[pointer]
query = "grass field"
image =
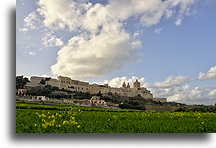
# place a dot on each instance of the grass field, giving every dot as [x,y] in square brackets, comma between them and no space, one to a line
[52,118]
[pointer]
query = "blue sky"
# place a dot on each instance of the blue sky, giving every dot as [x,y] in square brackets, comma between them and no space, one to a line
[169,46]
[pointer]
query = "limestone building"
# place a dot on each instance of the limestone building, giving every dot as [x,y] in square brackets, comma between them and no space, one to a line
[75,85]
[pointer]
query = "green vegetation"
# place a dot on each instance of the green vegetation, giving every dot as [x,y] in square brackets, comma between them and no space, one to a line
[125,102]
[21,82]
[197,108]
[80,119]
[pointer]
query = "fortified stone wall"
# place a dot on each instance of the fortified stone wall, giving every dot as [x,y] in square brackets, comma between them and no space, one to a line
[53,82]
[75,85]
[34,81]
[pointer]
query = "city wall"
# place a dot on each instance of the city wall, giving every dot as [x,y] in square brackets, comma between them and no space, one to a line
[75,85]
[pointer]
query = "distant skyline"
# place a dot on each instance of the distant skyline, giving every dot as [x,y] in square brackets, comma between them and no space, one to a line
[169,46]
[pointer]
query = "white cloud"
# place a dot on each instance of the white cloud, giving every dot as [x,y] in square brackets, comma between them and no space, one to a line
[197,95]
[85,57]
[211,74]
[31,22]
[178,92]
[31,53]
[172,81]
[104,45]
[50,40]
[150,12]
[101,44]
[184,9]
[118,81]
[178,21]
[157,30]
[176,89]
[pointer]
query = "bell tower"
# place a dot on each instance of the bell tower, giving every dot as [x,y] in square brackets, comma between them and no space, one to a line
[124,85]
[128,85]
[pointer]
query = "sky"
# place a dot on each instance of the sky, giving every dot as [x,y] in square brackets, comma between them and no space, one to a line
[168,45]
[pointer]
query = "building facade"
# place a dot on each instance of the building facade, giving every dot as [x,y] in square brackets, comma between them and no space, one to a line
[80,86]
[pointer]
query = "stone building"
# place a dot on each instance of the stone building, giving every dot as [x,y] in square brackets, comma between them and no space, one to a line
[96,101]
[80,86]
[40,98]
[21,92]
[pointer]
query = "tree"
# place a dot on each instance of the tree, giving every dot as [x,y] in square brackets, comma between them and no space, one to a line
[47,79]
[39,91]
[21,82]
[42,81]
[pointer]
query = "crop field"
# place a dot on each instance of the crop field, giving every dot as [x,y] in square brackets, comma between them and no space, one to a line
[52,118]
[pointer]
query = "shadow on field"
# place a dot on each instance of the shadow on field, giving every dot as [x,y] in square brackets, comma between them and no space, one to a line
[77,137]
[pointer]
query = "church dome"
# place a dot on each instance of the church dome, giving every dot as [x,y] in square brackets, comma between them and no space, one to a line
[136,84]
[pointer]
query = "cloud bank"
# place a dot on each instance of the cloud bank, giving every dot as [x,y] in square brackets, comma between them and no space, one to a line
[211,74]
[173,88]
[101,43]
[118,81]
[172,81]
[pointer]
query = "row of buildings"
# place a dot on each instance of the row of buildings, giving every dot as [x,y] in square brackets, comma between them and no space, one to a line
[80,86]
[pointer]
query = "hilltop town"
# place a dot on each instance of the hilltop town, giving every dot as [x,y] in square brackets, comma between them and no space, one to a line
[79,86]
[64,90]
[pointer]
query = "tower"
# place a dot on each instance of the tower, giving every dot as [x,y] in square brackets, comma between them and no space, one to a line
[124,85]
[128,85]
[136,84]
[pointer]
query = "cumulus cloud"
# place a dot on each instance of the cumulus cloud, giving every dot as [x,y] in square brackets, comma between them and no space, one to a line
[211,74]
[94,56]
[176,89]
[172,81]
[50,40]
[197,95]
[179,92]
[101,43]
[118,81]
[186,94]
[60,14]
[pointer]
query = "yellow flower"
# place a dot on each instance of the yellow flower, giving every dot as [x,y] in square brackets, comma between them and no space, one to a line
[73,122]
[78,126]
[36,125]
[43,116]
[44,125]
[65,122]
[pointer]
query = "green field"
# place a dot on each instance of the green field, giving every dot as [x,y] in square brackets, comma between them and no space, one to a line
[52,118]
